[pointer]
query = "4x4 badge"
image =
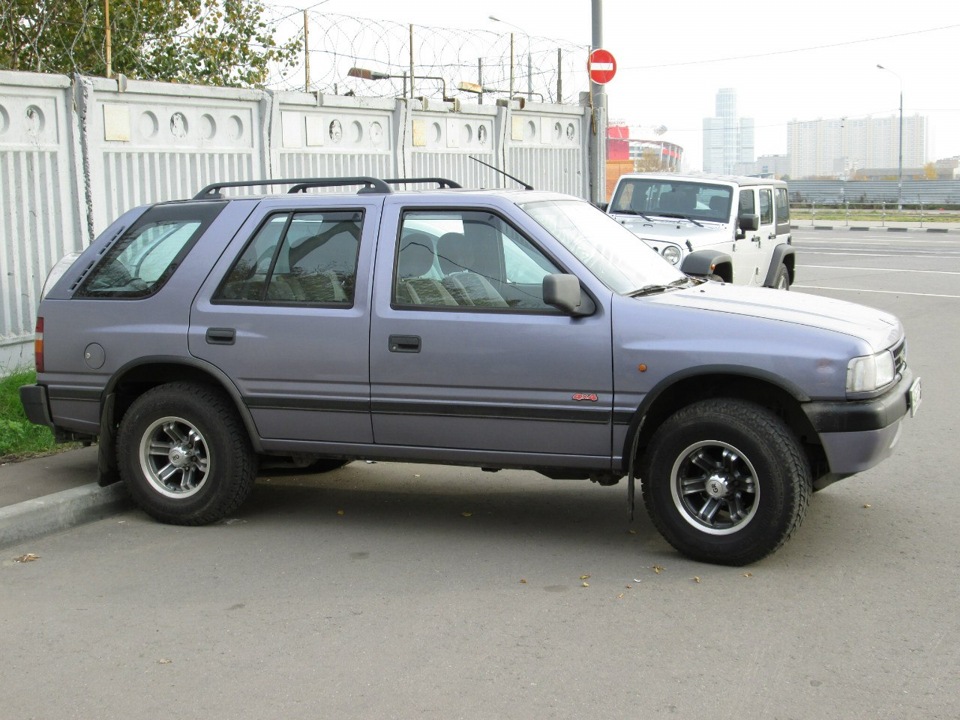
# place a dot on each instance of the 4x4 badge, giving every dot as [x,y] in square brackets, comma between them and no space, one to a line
[579,397]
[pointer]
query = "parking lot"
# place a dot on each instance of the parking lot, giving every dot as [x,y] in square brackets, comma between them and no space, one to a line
[385,590]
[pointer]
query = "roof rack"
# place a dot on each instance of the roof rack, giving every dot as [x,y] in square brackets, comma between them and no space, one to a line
[441,182]
[370,185]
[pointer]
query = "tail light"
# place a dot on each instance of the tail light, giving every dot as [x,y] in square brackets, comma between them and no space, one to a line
[38,346]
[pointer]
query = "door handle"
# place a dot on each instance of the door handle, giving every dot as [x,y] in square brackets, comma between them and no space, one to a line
[221,336]
[404,343]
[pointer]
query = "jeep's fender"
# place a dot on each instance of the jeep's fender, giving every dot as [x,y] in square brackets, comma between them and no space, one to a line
[780,254]
[703,262]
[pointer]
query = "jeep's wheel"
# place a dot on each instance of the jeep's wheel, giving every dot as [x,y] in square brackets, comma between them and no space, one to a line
[185,455]
[725,481]
[782,280]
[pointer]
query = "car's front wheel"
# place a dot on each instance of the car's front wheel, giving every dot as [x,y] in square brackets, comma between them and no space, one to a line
[725,481]
[185,455]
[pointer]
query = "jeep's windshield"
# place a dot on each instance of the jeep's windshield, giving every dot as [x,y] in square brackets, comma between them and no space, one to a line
[693,201]
[621,260]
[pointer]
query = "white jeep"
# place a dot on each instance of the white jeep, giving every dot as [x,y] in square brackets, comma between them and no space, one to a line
[732,228]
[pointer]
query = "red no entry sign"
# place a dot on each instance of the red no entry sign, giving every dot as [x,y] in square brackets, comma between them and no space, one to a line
[602,66]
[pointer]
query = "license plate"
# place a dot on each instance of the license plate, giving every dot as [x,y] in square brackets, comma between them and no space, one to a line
[914,397]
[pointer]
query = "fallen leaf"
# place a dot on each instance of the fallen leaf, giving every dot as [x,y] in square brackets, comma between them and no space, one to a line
[586,584]
[467,514]
[584,577]
[867,506]
[696,579]
[620,596]
[29,557]
[523,581]
[341,512]
[632,532]
[748,574]
[164,661]
[658,569]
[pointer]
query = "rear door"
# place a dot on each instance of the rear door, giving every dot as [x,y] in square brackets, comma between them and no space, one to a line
[284,315]
[466,355]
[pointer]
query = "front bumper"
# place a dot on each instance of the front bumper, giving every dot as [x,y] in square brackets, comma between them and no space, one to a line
[858,434]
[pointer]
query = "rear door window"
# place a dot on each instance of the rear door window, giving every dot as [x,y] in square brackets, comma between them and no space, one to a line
[307,258]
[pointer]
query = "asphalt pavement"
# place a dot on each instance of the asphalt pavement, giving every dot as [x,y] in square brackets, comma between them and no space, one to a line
[56,492]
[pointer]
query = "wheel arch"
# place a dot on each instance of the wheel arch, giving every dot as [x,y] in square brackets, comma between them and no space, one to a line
[708,262]
[135,378]
[684,389]
[783,254]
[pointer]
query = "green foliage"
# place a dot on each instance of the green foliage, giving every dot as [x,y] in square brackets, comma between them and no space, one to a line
[210,42]
[18,436]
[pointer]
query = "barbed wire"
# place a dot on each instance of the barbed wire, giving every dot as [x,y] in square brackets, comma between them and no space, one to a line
[443,60]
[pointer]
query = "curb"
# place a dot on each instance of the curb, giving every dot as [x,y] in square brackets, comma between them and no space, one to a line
[60,511]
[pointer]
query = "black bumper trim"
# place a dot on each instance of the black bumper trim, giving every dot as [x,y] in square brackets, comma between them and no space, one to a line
[861,415]
[35,405]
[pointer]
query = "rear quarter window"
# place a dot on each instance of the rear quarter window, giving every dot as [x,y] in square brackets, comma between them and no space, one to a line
[144,257]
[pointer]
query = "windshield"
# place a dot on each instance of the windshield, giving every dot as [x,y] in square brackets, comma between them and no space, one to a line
[701,201]
[619,259]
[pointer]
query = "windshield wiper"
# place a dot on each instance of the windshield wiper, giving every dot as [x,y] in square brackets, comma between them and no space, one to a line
[651,289]
[632,212]
[681,217]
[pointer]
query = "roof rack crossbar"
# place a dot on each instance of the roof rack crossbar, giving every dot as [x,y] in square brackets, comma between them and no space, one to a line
[441,182]
[370,185]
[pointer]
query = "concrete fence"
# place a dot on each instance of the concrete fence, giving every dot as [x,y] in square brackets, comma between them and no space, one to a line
[77,152]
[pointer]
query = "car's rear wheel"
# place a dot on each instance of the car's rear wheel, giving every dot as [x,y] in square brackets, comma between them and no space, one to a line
[725,481]
[185,455]
[782,279]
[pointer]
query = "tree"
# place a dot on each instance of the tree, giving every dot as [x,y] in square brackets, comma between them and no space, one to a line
[649,161]
[930,171]
[213,42]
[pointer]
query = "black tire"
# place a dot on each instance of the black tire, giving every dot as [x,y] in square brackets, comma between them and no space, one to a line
[782,279]
[184,454]
[745,479]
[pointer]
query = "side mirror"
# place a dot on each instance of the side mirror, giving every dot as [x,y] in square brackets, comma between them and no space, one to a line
[748,222]
[564,293]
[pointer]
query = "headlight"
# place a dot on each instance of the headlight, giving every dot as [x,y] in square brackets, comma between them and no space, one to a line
[671,253]
[866,374]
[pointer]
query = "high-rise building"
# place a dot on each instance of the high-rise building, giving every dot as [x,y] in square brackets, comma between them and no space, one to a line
[839,147]
[727,139]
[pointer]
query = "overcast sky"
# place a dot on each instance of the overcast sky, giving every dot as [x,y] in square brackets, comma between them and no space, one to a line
[787,61]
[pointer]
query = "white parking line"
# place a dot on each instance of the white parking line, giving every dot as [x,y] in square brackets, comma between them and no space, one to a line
[911,253]
[898,270]
[884,292]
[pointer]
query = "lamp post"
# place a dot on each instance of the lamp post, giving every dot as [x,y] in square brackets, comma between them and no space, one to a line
[900,151]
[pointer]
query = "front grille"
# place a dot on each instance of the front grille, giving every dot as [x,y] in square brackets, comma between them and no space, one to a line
[900,356]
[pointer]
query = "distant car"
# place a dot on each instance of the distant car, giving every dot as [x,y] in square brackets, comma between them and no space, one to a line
[199,340]
[732,228]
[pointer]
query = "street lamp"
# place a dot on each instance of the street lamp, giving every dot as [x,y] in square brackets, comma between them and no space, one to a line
[365,74]
[900,152]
